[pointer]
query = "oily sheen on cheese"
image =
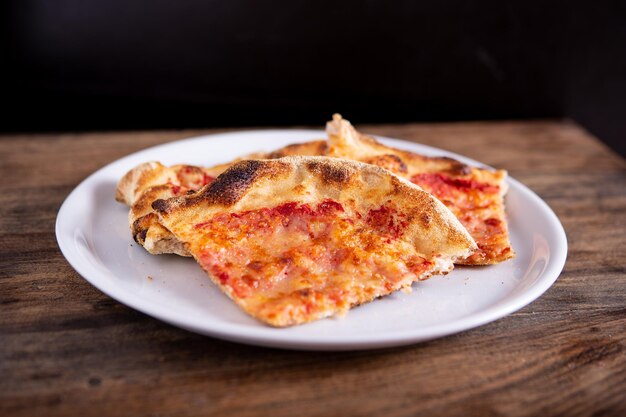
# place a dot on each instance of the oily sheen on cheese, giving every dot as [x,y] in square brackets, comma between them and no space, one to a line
[301,238]
[474,195]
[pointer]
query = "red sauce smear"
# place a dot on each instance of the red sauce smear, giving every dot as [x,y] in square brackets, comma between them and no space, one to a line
[278,214]
[387,220]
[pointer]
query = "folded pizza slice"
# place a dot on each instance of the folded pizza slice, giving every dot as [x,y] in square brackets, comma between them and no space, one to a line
[297,239]
[150,181]
[475,195]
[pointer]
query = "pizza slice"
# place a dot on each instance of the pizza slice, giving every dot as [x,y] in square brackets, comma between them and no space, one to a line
[297,239]
[475,195]
[150,181]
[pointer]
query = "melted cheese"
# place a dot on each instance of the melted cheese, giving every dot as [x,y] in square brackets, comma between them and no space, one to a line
[296,263]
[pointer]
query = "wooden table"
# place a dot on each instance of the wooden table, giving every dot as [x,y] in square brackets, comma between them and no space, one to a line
[67,349]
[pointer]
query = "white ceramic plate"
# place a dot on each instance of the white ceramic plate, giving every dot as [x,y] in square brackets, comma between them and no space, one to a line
[93,234]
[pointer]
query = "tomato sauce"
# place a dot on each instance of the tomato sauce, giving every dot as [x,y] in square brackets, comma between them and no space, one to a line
[297,258]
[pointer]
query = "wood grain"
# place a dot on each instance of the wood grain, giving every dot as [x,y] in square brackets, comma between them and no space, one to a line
[68,350]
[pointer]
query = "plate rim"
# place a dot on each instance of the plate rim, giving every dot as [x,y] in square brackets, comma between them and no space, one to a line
[271,337]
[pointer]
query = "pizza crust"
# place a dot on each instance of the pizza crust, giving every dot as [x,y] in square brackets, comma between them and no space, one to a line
[346,142]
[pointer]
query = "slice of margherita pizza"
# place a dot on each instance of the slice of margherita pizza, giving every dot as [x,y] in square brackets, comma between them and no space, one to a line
[150,181]
[474,195]
[297,239]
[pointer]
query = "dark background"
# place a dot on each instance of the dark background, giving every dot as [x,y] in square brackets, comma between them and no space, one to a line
[73,65]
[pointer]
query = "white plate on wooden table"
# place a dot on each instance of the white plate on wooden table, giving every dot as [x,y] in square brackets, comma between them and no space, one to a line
[93,234]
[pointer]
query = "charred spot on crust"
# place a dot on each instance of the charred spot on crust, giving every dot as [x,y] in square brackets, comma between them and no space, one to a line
[331,172]
[229,187]
[160,205]
[142,235]
[390,161]
[151,194]
[140,227]
[233,184]
[456,167]
[226,190]
[305,292]
[426,219]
